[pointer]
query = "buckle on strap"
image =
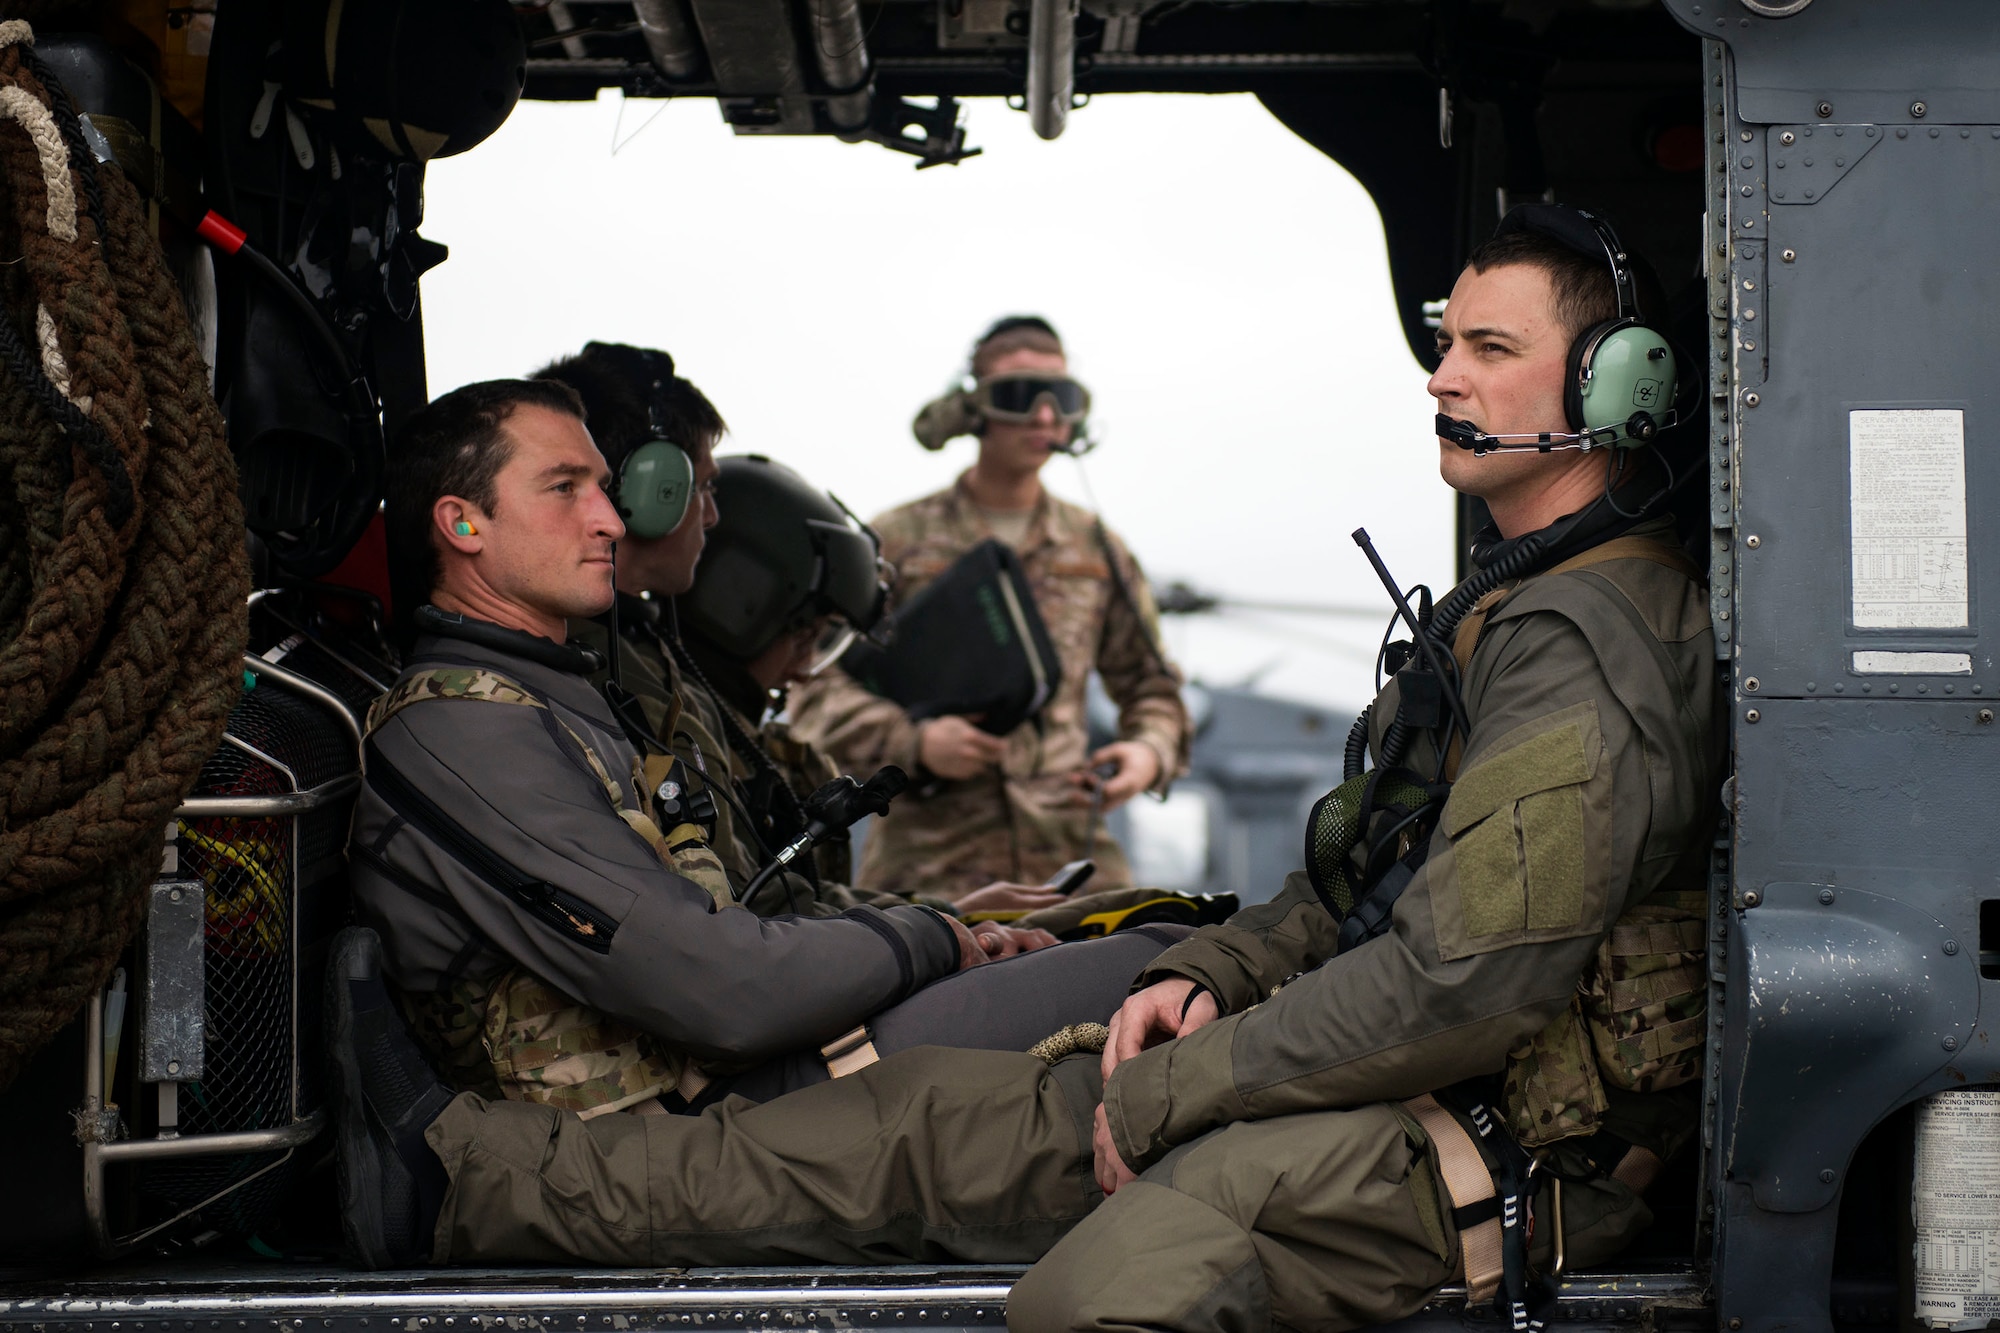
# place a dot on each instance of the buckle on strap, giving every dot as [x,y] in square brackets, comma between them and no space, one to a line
[850,1052]
[1475,1204]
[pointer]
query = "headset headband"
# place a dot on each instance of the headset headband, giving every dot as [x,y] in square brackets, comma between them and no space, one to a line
[660,367]
[1587,234]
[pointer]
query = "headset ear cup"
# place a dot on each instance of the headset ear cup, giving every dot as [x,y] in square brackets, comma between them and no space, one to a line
[1631,389]
[1582,359]
[946,418]
[654,488]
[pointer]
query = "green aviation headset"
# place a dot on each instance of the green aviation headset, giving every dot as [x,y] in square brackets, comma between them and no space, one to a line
[656,481]
[1619,388]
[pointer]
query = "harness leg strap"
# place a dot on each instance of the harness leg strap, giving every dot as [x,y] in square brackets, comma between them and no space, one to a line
[1474,1202]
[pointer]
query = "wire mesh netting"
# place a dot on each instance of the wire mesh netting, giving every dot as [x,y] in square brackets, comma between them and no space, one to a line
[248,1080]
[256,1074]
[297,732]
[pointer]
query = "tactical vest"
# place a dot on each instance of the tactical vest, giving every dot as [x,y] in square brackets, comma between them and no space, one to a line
[539,1044]
[1638,1019]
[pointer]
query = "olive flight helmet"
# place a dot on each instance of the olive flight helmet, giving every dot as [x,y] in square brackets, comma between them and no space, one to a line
[416,79]
[781,555]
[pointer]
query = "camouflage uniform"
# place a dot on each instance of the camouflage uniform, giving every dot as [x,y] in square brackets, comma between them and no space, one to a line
[1283,1181]
[1022,823]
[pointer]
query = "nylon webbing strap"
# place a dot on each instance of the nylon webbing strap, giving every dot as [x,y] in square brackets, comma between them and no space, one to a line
[1470,1184]
[850,1052]
[1462,645]
[1639,938]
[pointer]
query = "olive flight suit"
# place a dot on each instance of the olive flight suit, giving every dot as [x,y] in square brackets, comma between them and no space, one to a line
[1022,823]
[1283,1182]
[535,923]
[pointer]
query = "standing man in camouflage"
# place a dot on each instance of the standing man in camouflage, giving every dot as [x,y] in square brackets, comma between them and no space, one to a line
[1014,807]
[1286,1129]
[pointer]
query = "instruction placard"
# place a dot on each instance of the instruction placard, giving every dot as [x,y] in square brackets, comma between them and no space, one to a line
[1956,1206]
[1906,467]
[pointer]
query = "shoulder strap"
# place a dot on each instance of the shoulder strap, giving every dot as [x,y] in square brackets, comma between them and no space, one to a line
[1618,548]
[1628,547]
[448,683]
[490,687]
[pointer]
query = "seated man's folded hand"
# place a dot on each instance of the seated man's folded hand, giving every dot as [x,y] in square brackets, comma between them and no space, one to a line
[1158,1013]
[1005,941]
[1112,1173]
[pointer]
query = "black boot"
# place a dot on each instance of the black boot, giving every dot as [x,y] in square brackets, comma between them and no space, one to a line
[384,1096]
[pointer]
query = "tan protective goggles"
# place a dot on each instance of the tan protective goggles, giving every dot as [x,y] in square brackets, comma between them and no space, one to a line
[1013,396]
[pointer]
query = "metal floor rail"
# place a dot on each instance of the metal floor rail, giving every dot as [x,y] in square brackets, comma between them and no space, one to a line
[169,1298]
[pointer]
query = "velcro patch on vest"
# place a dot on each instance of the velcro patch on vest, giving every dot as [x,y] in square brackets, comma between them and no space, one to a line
[1526,855]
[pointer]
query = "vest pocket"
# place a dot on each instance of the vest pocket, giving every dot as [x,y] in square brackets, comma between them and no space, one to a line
[1519,842]
[546,1047]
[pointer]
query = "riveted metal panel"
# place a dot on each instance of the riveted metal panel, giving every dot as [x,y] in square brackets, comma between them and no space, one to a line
[172,1024]
[1869,59]
[1868,302]
[1855,276]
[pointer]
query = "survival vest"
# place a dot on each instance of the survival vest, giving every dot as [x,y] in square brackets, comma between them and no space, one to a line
[1637,1021]
[539,1044]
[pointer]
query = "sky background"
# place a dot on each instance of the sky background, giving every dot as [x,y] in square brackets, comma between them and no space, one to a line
[1221,285]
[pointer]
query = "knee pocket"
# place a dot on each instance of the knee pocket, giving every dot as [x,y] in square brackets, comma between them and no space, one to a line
[1275,1175]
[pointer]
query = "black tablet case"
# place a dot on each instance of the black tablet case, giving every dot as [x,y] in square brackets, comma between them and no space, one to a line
[971,643]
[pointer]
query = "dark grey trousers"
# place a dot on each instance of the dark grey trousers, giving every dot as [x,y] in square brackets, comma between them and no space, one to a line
[1007,1005]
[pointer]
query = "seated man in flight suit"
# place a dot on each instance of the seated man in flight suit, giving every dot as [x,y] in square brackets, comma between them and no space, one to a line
[534,920]
[708,714]
[1303,1119]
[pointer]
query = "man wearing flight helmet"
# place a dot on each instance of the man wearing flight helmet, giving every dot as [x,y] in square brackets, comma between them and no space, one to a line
[1014,807]
[1332,1099]
[790,578]
[788,562]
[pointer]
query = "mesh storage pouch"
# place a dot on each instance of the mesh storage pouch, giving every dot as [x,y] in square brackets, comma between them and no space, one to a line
[1362,830]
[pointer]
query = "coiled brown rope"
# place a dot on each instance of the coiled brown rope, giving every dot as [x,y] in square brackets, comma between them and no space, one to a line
[122,565]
